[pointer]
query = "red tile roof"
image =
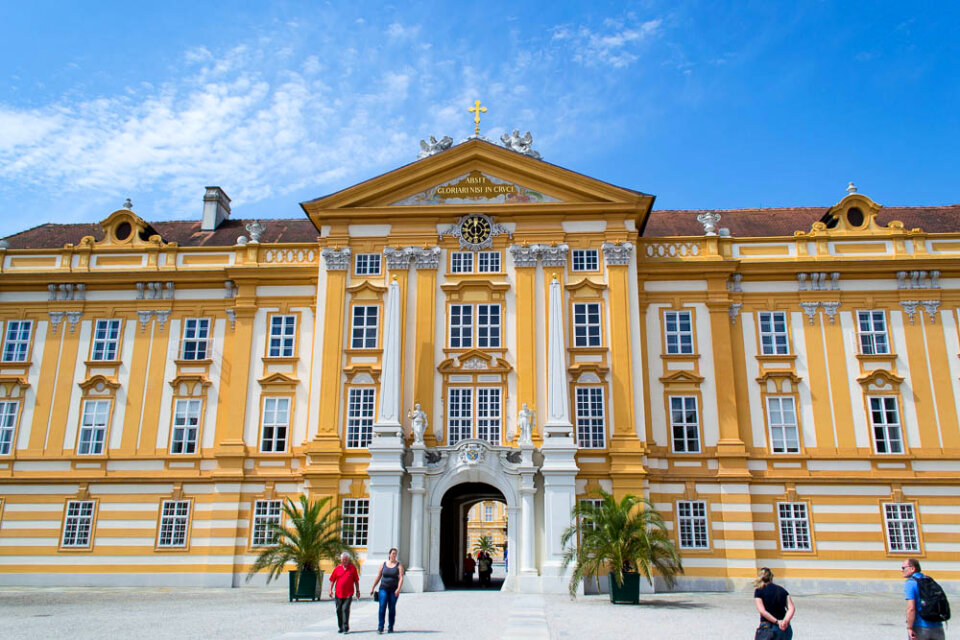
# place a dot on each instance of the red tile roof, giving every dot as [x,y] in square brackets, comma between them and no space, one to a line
[742,223]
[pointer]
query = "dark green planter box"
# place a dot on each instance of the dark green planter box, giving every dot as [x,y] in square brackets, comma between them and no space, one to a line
[310,586]
[626,593]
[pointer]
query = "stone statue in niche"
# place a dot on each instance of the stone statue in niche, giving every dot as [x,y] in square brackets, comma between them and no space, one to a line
[525,422]
[418,422]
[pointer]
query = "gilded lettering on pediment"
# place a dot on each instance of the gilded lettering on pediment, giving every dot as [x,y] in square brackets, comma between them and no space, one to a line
[476,187]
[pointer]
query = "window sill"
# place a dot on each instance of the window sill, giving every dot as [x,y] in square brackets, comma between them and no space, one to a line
[679,356]
[876,357]
[352,351]
[180,362]
[281,359]
[600,350]
[103,363]
[779,357]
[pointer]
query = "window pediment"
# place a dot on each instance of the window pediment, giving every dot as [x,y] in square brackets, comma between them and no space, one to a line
[99,384]
[366,290]
[278,379]
[880,380]
[586,288]
[190,384]
[474,360]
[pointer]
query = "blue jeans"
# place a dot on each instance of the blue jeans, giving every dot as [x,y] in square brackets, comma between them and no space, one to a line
[386,599]
[777,633]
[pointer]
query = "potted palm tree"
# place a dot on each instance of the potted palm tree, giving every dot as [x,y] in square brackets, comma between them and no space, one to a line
[628,539]
[311,535]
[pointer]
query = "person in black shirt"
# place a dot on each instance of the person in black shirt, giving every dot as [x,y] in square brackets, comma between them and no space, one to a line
[775,606]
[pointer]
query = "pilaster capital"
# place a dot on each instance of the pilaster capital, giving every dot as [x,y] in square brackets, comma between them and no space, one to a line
[554,255]
[617,254]
[525,255]
[398,259]
[426,258]
[336,259]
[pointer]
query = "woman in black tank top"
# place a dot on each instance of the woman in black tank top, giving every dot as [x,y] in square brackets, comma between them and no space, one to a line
[390,579]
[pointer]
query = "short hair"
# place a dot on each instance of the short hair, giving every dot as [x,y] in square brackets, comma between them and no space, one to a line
[344,555]
[392,549]
[913,562]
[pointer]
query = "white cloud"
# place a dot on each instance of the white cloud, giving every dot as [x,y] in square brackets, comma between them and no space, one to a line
[397,31]
[618,46]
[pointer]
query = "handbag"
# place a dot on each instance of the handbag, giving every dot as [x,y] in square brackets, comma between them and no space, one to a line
[766,631]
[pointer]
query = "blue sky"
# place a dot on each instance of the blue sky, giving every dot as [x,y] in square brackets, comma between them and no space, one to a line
[703,104]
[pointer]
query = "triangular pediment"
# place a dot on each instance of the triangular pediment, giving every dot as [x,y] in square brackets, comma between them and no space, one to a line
[478,175]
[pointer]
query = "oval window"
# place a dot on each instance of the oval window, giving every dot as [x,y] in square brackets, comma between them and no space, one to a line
[855,217]
[122,232]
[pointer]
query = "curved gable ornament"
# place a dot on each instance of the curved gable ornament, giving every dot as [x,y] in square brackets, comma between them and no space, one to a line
[880,380]
[124,228]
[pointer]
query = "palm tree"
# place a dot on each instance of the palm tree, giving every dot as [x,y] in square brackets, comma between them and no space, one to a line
[312,535]
[485,544]
[625,536]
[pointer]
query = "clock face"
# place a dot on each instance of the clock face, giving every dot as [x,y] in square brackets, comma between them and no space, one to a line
[475,229]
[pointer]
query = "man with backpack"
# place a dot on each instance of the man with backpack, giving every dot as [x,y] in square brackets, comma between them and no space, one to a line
[927,606]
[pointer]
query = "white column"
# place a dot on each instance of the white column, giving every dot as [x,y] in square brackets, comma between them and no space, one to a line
[415,576]
[559,467]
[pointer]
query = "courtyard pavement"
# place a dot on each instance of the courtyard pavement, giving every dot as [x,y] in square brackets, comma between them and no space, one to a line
[264,614]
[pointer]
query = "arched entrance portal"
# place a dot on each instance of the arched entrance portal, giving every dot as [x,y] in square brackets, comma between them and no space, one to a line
[455,534]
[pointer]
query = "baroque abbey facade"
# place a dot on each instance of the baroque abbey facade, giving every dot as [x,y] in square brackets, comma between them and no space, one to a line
[481,325]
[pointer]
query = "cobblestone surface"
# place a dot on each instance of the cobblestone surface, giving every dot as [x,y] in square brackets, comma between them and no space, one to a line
[265,614]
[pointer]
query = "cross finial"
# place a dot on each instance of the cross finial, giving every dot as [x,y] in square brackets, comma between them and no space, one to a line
[477,110]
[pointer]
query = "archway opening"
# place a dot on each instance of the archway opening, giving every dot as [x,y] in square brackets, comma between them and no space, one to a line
[473,515]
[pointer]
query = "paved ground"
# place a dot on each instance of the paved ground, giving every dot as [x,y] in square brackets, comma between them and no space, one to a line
[265,614]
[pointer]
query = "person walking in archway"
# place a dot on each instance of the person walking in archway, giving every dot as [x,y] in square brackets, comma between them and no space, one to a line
[390,578]
[469,564]
[484,568]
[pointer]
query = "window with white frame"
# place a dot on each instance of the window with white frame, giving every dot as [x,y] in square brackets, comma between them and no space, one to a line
[488,326]
[276,424]
[488,262]
[782,416]
[459,414]
[585,260]
[283,333]
[475,412]
[488,512]
[692,522]
[196,339]
[592,504]
[586,324]
[461,326]
[265,513]
[901,527]
[872,331]
[355,521]
[8,425]
[367,264]
[461,262]
[365,324]
[16,341]
[794,526]
[174,524]
[774,338]
[360,403]
[106,340]
[885,417]
[591,422]
[78,524]
[678,327]
[685,424]
[93,426]
[186,425]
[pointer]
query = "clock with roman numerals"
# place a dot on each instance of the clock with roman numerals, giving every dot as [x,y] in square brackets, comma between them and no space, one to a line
[475,229]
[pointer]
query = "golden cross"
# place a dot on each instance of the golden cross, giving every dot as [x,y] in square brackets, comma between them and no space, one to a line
[477,109]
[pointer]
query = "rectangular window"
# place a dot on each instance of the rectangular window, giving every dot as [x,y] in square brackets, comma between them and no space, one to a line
[276,423]
[196,338]
[488,326]
[459,414]
[488,262]
[692,520]
[265,513]
[586,260]
[186,425]
[16,341]
[885,417]
[488,512]
[367,264]
[901,528]
[78,524]
[355,521]
[774,339]
[782,415]
[586,324]
[365,323]
[488,414]
[794,526]
[8,425]
[590,418]
[360,416]
[174,523]
[679,332]
[872,330]
[461,262]
[106,340]
[93,426]
[283,332]
[461,326]
[592,503]
[685,424]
